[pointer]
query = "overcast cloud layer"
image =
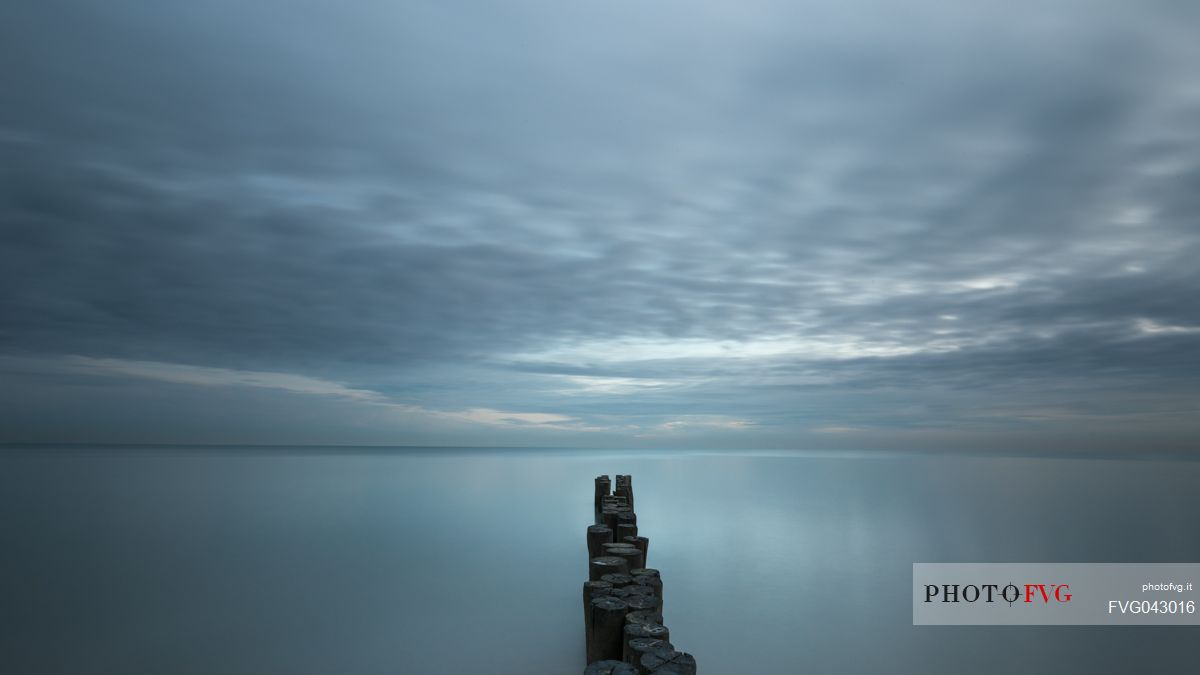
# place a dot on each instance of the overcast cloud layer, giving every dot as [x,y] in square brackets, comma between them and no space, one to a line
[668,223]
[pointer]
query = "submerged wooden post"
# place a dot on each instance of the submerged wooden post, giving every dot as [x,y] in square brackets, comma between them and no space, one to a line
[610,668]
[616,546]
[607,564]
[625,488]
[609,517]
[633,589]
[642,630]
[649,577]
[641,646]
[642,544]
[644,616]
[633,557]
[591,591]
[608,621]
[596,536]
[643,603]
[617,580]
[668,660]
[603,488]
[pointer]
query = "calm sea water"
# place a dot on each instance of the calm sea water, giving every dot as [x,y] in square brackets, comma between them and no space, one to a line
[437,561]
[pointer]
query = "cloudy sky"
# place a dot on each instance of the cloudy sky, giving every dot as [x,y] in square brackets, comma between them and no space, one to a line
[755,224]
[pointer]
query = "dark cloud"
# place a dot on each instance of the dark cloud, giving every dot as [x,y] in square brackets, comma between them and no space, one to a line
[626,224]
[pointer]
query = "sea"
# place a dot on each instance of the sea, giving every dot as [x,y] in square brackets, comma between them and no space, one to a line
[256,561]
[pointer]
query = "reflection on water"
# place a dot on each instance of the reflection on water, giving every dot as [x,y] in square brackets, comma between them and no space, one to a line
[470,561]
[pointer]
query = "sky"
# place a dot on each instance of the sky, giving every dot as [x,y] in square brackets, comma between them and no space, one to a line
[752,224]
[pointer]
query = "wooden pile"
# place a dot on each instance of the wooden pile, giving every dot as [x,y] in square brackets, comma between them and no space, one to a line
[623,598]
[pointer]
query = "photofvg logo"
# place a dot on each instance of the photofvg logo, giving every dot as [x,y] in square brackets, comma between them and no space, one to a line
[1010,593]
[1054,594]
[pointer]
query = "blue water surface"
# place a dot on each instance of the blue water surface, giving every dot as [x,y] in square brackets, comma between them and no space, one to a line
[316,561]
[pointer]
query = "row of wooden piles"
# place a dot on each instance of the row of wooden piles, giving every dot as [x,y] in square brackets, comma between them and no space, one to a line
[623,597]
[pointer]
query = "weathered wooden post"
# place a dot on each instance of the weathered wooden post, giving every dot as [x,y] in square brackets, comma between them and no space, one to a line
[603,489]
[606,564]
[609,516]
[642,630]
[614,500]
[605,638]
[616,546]
[643,603]
[591,591]
[617,580]
[625,488]
[630,590]
[644,616]
[641,646]
[632,556]
[668,661]
[596,536]
[650,577]
[641,543]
